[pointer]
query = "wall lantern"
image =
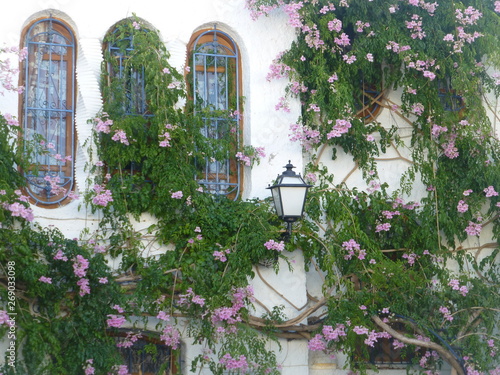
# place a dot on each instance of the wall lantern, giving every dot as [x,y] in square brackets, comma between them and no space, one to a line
[289,195]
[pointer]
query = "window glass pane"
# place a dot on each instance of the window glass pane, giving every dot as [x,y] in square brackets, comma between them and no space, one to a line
[48,110]
[216,93]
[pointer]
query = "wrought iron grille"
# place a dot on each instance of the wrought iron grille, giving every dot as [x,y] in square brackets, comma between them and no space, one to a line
[131,77]
[48,110]
[216,90]
[146,358]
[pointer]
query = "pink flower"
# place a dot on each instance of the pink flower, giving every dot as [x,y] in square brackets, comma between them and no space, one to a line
[103,280]
[80,266]
[317,343]
[383,227]
[171,337]
[462,206]
[273,245]
[429,75]
[115,321]
[84,286]
[490,192]
[47,280]
[162,315]
[473,229]
[177,195]
[120,136]
[89,369]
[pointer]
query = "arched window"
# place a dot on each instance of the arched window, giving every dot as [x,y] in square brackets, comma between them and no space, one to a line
[123,76]
[215,90]
[48,110]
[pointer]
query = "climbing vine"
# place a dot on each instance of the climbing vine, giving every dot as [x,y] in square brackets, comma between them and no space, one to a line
[401,262]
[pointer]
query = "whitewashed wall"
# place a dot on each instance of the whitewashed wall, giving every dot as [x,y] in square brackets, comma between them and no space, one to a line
[259,43]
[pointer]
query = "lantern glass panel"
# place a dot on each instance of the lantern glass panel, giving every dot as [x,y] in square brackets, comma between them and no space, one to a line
[277,201]
[293,200]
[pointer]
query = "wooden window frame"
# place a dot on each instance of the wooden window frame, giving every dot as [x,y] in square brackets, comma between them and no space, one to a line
[145,339]
[216,182]
[28,110]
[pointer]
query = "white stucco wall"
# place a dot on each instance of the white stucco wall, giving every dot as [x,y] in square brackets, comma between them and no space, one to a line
[259,43]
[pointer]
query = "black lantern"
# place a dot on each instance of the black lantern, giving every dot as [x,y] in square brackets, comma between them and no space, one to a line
[289,195]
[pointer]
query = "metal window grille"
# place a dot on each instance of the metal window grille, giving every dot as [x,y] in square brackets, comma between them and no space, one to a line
[131,77]
[48,110]
[215,70]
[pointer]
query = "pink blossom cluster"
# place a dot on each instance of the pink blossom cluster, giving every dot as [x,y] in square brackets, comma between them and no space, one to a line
[60,256]
[162,315]
[120,370]
[231,363]
[390,214]
[395,47]
[320,341]
[221,255]
[282,104]
[360,26]
[54,182]
[305,135]
[335,25]
[80,266]
[462,206]
[120,136]
[83,283]
[428,355]
[417,108]
[11,120]
[103,125]
[88,368]
[446,313]
[343,40]
[354,250]
[313,37]
[341,126]
[258,11]
[469,16]
[19,210]
[273,245]
[292,10]
[373,337]
[349,59]
[278,69]
[129,340]
[384,227]
[8,73]
[191,297]
[450,150]
[411,258]
[165,142]
[297,87]
[490,192]
[171,337]
[455,285]
[473,229]
[245,159]
[415,25]
[177,194]
[115,321]
[103,196]
[5,319]
[437,130]
[44,279]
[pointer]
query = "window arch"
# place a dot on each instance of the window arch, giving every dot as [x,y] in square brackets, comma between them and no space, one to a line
[216,90]
[128,79]
[48,110]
